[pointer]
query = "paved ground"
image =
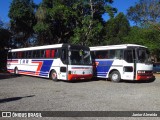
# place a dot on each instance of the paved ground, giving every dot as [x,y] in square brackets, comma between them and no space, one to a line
[24,93]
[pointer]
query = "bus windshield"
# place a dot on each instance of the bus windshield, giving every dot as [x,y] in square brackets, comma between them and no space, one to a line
[143,56]
[79,57]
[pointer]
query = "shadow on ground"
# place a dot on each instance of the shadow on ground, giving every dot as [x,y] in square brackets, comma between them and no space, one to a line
[14,99]
[136,81]
[79,81]
[8,76]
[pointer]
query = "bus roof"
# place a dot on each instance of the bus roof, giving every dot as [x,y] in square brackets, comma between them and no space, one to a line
[37,47]
[49,47]
[122,46]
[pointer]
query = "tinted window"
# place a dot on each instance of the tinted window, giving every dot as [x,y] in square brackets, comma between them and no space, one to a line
[19,54]
[64,56]
[14,55]
[101,54]
[107,54]
[28,54]
[51,53]
[128,56]
[42,53]
[35,54]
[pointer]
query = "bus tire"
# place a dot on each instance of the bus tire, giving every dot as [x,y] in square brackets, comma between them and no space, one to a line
[16,71]
[115,76]
[53,75]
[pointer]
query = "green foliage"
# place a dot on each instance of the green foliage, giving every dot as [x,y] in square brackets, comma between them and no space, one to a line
[147,37]
[116,29]
[72,21]
[22,21]
[80,22]
[55,22]
[4,38]
[110,10]
[89,27]
[41,27]
[87,35]
[144,12]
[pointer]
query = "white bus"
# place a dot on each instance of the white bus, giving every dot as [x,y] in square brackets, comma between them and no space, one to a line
[59,61]
[126,61]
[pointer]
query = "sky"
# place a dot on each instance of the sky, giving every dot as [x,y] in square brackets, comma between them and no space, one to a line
[121,5]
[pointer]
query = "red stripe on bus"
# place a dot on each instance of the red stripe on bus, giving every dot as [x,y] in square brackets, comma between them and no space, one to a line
[145,77]
[39,67]
[26,73]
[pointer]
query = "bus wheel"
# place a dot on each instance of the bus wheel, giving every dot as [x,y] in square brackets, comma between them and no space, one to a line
[53,75]
[115,76]
[16,71]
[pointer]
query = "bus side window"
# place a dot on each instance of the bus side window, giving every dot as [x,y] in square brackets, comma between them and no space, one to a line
[26,54]
[56,55]
[99,54]
[23,54]
[118,54]
[64,56]
[128,56]
[106,55]
[52,53]
[42,53]
[38,55]
[29,54]
[34,54]
[47,54]
[112,54]
[19,54]
[14,55]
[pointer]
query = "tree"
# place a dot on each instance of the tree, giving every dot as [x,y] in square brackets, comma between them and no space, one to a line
[89,29]
[145,12]
[73,21]
[5,36]
[22,15]
[55,21]
[146,37]
[116,29]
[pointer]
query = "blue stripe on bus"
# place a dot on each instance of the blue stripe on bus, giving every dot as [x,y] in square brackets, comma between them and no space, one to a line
[102,67]
[46,66]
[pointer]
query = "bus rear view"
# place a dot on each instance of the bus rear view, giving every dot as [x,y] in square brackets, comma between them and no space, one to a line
[122,62]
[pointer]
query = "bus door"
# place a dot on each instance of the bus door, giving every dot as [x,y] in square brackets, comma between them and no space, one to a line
[64,64]
[129,65]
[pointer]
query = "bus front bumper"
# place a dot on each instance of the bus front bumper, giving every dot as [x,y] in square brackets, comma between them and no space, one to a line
[145,77]
[79,77]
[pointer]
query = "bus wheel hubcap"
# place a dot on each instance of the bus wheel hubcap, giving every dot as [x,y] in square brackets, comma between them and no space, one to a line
[54,75]
[114,77]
